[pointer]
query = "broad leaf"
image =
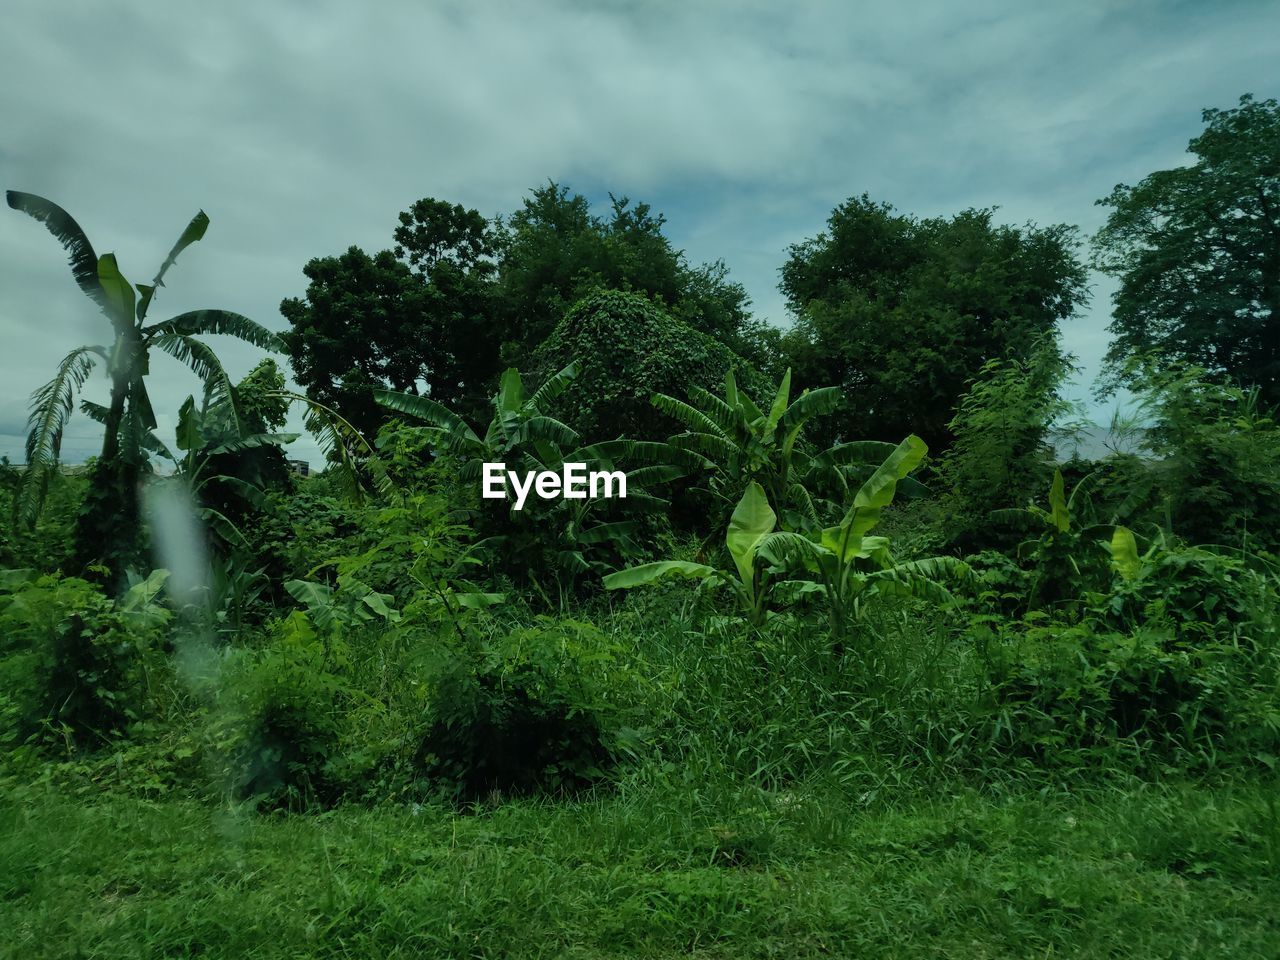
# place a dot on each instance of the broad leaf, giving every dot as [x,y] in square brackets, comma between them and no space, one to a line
[647,573]
[753,520]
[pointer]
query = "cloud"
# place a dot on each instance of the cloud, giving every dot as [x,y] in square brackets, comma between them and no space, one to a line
[303,128]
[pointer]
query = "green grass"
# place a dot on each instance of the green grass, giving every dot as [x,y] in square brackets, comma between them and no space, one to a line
[655,869]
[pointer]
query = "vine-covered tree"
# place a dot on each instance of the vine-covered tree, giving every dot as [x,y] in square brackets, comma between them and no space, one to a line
[902,313]
[1197,253]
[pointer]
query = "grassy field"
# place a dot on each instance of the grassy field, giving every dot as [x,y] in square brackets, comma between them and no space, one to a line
[1180,869]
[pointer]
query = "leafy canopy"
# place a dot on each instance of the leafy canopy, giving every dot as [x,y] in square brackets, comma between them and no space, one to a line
[1197,252]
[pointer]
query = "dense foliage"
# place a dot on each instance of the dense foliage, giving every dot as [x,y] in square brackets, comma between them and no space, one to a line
[795,626]
[1197,252]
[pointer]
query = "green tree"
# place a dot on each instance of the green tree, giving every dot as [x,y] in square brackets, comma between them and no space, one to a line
[625,346]
[109,524]
[1197,252]
[558,252]
[1003,451]
[902,313]
[455,253]
[363,324]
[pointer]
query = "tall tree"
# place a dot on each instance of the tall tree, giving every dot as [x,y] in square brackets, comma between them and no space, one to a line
[108,526]
[902,313]
[1197,253]
[558,252]
[362,324]
[454,251]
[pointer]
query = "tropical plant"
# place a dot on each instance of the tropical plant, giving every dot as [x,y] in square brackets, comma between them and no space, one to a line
[567,538]
[1069,556]
[737,443]
[111,515]
[841,564]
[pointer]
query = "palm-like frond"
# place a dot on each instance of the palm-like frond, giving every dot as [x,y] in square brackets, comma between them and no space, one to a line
[198,322]
[812,403]
[149,441]
[337,437]
[205,364]
[690,416]
[51,407]
[431,411]
[715,408]
[708,444]
[546,429]
[555,385]
[83,260]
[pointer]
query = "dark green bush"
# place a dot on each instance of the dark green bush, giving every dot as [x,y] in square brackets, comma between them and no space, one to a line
[627,348]
[534,709]
[75,661]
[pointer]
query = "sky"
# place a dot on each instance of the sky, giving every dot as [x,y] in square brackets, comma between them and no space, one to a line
[304,128]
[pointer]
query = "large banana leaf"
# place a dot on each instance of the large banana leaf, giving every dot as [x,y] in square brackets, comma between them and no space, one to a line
[199,322]
[83,260]
[647,573]
[1124,553]
[555,385]
[753,520]
[433,412]
[51,407]
[118,292]
[878,490]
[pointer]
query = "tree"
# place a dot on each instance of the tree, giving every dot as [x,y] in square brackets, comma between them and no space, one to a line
[901,313]
[109,524]
[557,252]
[1197,252]
[625,347]
[364,324]
[455,252]
[1003,452]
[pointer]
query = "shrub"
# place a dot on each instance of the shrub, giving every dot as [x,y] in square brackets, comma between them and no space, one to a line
[534,709]
[625,348]
[74,660]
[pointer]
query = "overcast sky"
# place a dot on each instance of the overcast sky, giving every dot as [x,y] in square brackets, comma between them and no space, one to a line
[303,128]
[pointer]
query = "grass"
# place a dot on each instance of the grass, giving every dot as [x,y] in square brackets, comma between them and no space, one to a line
[658,868]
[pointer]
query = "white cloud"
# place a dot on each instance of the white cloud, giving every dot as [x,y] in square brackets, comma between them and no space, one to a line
[304,128]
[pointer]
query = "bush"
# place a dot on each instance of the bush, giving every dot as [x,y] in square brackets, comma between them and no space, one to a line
[627,348]
[279,723]
[536,709]
[1184,654]
[74,660]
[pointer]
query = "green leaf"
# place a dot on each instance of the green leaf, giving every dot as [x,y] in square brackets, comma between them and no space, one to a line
[117,290]
[1058,504]
[224,322]
[83,260]
[780,401]
[753,520]
[878,490]
[190,420]
[194,231]
[510,391]
[1124,553]
[647,573]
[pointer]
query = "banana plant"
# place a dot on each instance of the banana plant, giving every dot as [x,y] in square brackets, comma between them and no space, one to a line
[1068,557]
[204,434]
[566,538]
[842,565]
[753,520]
[128,417]
[737,442]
